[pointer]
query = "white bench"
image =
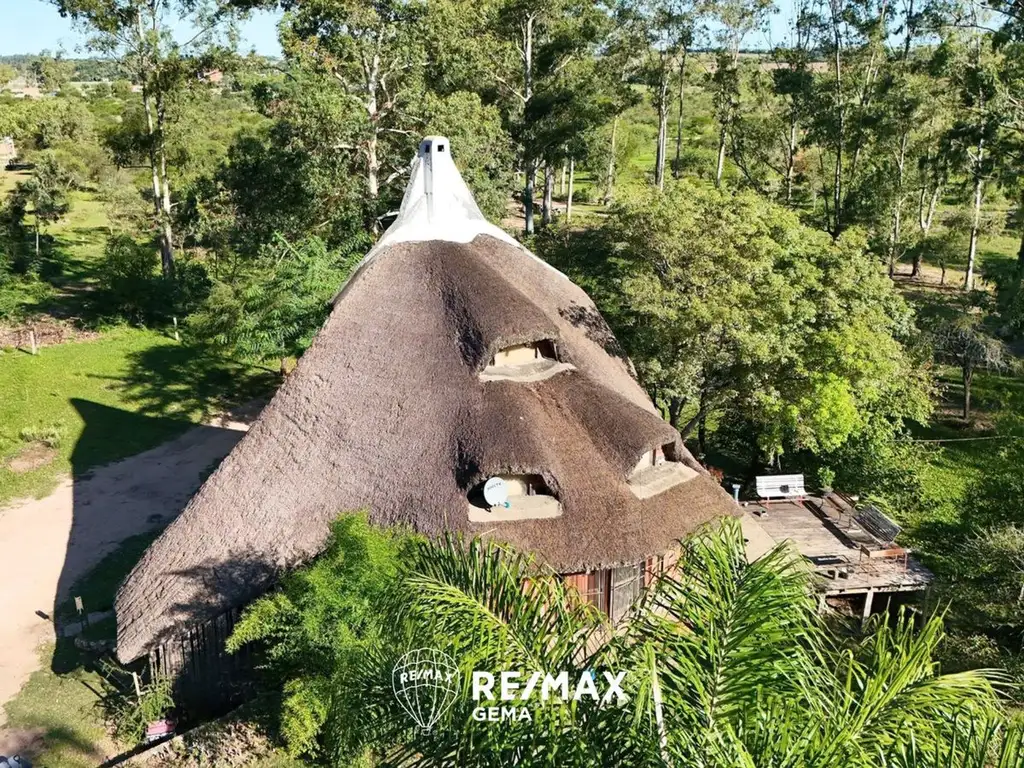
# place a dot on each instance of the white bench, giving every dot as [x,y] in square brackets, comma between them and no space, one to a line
[780,487]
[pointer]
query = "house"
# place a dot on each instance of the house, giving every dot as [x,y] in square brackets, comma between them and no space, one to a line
[453,360]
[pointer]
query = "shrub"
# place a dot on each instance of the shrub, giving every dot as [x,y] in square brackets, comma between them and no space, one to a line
[134,290]
[128,277]
[50,436]
[128,713]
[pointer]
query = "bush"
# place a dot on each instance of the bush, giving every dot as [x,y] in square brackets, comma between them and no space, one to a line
[129,279]
[51,436]
[583,195]
[134,290]
[128,713]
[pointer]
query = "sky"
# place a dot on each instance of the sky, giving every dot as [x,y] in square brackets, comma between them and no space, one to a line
[31,26]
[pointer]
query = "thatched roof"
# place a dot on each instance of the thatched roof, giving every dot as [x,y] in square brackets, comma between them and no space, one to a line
[387,410]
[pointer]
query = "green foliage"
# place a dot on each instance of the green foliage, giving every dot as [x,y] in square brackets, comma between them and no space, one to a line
[322,620]
[273,308]
[725,301]
[753,678]
[129,277]
[133,289]
[128,713]
[51,436]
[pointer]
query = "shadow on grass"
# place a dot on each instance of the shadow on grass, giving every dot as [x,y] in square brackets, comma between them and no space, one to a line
[193,381]
[120,508]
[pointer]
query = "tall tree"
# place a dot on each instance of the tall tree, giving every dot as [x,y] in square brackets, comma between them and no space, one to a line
[972,66]
[522,48]
[736,19]
[375,54]
[665,31]
[140,36]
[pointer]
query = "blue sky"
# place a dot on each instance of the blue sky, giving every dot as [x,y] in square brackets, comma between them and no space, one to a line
[30,26]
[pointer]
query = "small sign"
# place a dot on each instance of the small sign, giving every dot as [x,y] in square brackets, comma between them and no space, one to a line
[78,605]
[496,492]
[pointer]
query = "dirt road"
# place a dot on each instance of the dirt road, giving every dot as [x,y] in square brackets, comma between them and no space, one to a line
[46,544]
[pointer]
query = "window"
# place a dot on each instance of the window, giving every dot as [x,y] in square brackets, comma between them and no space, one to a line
[612,591]
[529,498]
[524,354]
[658,470]
[535,361]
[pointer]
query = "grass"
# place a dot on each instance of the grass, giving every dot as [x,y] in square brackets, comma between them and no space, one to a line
[109,398]
[62,710]
[98,587]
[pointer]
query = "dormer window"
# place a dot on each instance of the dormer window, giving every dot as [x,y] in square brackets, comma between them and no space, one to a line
[658,470]
[533,361]
[528,498]
[524,354]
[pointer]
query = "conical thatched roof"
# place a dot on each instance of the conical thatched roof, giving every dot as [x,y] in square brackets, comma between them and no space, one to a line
[391,409]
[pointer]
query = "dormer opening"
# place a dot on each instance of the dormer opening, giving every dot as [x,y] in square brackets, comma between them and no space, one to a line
[530,361]
[528,497]
[657,470]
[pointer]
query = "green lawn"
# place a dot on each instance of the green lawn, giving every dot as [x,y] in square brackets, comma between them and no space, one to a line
[62,710]
[101,400]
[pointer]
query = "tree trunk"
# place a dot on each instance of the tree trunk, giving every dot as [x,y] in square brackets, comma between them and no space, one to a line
[967,377]
[721,157]
[610,183]
[529,163]
[659,155]
[897,211]
[837,178]
[549,189]
[702,436]
[925,216]
[791,158]
[531,173]
[166,235]
[154,148]
[572,180]
[972,249]
[37,237]
[1020,250]
[561,180]
[677,168]
[675,410]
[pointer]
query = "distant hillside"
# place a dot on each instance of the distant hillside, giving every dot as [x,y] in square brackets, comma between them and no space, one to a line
[86,70]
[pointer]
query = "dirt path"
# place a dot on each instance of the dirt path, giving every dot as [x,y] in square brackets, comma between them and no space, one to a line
[46,544]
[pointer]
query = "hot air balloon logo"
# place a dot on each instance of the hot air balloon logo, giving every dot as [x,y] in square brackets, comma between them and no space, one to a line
[426,682]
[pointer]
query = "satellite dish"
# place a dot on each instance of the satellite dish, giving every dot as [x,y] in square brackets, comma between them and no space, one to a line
[495,492]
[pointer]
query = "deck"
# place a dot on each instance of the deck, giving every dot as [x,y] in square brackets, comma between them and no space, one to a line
[823,531]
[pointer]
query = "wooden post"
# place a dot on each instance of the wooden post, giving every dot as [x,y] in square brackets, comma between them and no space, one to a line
[176,336]
[32,340]
[868,599]
[138,687]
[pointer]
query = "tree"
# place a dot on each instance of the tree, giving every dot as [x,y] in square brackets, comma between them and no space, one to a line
[52,73]
[139,35]
[665,31]
[727,303]
[968,345]
[375,54]
[46,191]
[7,73]
[737,19]
[724,661]
[272,308]
[972,64]
[521,49]
[853,37]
